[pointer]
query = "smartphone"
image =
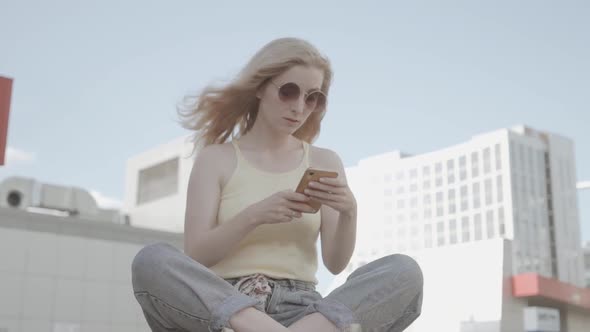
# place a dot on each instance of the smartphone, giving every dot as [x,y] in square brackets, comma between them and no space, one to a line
[313,174]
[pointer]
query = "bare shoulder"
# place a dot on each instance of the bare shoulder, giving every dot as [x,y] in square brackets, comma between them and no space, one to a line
[324,158]
[222,159]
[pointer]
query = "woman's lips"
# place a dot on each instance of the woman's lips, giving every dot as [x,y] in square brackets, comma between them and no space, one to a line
[291,120]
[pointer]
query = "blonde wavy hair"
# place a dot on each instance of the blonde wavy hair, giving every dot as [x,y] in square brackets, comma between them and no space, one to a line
[217,112]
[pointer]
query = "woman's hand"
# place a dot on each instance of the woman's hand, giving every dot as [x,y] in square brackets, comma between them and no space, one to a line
[333,192]
[280,207]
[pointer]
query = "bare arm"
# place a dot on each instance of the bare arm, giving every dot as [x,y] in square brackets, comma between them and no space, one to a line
[203,241]
[338,227]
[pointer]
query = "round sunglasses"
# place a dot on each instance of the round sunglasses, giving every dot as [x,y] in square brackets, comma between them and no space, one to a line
[315,100]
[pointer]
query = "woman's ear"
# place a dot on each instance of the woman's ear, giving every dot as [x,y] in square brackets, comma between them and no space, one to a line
[261,89]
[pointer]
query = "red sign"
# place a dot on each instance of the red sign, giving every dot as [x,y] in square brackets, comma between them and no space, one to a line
[5,94]
[534,285]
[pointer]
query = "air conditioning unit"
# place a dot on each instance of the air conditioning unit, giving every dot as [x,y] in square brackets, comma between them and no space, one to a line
[19,193]
[75,201]
[26,193]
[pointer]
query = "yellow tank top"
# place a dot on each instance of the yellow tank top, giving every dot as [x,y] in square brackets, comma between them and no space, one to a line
[280,251]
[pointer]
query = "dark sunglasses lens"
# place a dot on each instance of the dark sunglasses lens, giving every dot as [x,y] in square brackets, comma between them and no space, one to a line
[289,92]
[315,101]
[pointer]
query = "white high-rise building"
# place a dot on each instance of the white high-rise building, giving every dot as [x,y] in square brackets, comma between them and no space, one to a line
[483,218]
[518,184]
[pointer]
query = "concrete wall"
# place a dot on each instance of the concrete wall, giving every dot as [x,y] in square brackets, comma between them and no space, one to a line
[64,274]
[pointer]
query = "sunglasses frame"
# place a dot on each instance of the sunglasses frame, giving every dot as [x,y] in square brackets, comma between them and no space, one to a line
[305,94]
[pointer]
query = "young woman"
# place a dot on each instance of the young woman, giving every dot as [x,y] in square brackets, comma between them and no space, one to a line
[250,260]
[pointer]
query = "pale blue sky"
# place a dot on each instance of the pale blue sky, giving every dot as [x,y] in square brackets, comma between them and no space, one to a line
[98,82]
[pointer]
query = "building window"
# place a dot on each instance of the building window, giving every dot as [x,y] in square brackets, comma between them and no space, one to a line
[501,222]
[425,171]
[491,230]
[439,204]
[474,164]
[439,181]
[477,227]
[464,198]
[486,161]
[158,181]
[462,168]
[452,231]
[440,234]
[387,192]
[452,206]
[488,191]
[439,197]
[450,165]
[450,171]
[413,202]
[499,188]
[413,173]
[465,229]
[498,153]
[476,196]
[529,159]
[451,178]
[439,211]
[413,187]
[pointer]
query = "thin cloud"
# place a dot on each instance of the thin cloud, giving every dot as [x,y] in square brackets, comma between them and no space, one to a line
[583,185]
[16,156]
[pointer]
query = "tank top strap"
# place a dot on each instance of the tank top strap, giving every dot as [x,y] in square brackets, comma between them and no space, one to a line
[306,153]
[239,155]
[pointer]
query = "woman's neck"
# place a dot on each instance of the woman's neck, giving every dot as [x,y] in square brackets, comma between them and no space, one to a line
[267,141]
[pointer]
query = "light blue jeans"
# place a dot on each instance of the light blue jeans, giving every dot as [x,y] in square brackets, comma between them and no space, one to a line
[176,293]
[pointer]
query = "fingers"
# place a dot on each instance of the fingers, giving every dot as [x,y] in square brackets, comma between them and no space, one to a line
[336,182]
[323,187]
[289,214]
[300,207]
[293,196]
[322,195]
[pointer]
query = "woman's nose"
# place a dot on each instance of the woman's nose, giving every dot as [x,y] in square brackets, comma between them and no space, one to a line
[299,105]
